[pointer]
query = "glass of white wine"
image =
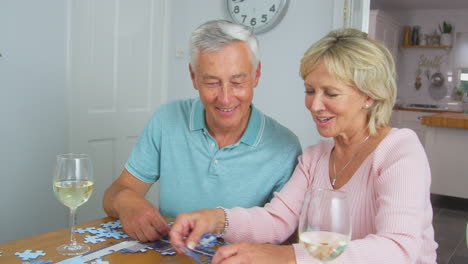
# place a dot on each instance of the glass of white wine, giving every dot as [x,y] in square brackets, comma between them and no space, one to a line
[73,184]
[325,224]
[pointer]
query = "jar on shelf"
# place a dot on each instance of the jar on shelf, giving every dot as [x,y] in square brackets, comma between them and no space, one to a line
[415,35]
[423,39]
[407,36]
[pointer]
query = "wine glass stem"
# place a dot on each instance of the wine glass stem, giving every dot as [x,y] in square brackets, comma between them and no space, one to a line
[72,225]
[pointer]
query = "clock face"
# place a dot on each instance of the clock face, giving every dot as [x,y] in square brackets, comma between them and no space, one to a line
[261,15]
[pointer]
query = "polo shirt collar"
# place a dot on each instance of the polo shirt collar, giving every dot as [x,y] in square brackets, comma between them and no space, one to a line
[252,134]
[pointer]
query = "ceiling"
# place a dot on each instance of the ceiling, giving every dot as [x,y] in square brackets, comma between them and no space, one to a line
[418,4]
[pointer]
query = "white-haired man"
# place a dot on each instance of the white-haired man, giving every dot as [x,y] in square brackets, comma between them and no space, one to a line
[215,150]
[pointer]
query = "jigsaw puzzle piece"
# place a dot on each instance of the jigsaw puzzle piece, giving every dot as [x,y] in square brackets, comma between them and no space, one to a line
[112,224]
[99,261]
[39,261]
[114,234]
[93,239]
[29,254]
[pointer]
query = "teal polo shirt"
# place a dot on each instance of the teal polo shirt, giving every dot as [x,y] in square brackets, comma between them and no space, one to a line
[194,173]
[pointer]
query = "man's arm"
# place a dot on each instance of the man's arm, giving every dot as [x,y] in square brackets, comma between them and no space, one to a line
[125,199]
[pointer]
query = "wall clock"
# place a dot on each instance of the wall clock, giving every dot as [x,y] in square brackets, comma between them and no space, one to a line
[261,15]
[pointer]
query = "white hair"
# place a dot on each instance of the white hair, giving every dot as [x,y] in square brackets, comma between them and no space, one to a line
[214,35]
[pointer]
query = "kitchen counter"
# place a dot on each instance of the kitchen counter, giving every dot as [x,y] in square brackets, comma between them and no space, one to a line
[427,110]
[453,120]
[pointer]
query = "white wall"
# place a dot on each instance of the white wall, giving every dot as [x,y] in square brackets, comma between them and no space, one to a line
[32,114]
[33,101]
[280,92]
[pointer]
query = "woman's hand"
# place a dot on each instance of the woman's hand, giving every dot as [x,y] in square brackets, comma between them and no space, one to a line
[254,253]
[189,227]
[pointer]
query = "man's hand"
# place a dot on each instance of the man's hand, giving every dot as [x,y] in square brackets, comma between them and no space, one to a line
[140,219]
[125,199]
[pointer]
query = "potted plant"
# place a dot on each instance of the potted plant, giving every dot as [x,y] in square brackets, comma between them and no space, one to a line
[459,94]
[445,34]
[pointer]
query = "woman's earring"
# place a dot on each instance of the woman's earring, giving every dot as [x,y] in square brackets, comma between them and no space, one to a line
[366,106]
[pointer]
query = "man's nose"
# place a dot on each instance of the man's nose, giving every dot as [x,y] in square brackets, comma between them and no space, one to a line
[225,94]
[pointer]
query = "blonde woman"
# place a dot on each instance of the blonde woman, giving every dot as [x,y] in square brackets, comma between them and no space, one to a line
[350,90]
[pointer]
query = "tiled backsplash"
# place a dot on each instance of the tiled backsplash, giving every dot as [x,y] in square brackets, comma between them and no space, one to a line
[447,61]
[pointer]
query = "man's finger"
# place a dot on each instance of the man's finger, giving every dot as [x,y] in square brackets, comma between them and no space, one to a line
[160,224]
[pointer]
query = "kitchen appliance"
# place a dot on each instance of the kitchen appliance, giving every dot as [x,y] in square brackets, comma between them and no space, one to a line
[437,89]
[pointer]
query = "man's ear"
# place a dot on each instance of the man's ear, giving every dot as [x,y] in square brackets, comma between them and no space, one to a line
[192,76]
[258,73]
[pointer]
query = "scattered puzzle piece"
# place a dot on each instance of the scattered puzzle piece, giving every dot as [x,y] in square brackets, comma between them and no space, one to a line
[92,230]
[208,240]
[138,247]
[81,230]
[39,261]
[196,256]
[114,234]
[93,239]
[113,225]
[107,230]
[101,230]
[100,261]
[29,254]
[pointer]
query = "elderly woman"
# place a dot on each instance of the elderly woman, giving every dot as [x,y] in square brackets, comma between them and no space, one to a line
[350,89]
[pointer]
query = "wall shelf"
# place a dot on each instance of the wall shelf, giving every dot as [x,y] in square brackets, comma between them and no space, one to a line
[425,47]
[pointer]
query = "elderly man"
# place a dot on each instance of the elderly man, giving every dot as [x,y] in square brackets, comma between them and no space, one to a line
[215,150]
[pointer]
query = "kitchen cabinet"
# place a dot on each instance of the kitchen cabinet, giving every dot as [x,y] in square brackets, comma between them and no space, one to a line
[444,136]
[446,144]
[409,119]
[386,29]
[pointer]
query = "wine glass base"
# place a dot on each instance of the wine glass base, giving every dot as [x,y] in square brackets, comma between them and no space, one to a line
[73,249]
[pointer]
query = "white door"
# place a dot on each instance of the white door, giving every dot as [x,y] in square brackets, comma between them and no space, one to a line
[116,68]
[351,13]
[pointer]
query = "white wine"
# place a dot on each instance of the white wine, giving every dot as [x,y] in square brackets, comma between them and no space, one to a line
[73,193]
[324,246]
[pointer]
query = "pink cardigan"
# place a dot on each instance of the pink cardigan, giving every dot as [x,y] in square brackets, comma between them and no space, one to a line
[389,201]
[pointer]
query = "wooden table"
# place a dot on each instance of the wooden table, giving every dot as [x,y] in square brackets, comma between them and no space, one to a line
[48,242]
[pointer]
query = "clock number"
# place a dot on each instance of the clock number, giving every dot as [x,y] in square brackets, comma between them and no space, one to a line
[264,18]
[253,21]
[273,8]
[243,18]
[236,9]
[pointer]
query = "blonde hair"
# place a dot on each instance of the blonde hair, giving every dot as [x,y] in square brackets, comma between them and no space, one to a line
[355,60]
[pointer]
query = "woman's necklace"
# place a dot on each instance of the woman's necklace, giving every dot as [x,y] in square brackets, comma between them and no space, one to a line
[335,174]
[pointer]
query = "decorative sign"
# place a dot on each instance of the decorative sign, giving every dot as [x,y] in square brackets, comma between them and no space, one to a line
[434,63]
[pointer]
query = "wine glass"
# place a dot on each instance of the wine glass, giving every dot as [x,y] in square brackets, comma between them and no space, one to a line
[73,184]
[325,224]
